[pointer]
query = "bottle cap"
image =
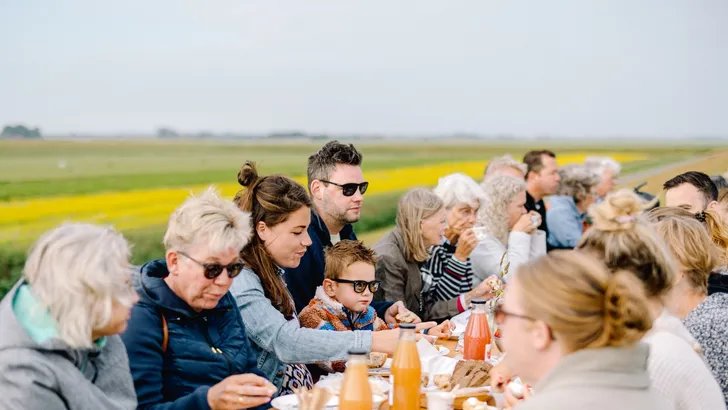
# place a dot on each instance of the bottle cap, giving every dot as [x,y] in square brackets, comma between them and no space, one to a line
[408,326]
[358,352]
[477,301]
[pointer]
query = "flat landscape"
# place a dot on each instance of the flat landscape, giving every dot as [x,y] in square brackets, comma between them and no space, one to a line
[134,185]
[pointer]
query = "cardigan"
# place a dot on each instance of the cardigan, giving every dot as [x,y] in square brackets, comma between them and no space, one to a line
[401,280]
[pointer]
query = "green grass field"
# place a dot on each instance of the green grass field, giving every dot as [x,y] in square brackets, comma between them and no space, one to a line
[30,169]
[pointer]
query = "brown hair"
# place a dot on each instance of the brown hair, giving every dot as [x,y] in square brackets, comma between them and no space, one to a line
[585,306]
[414,206]
[623,238]
[691,246]
[344,254]
[717,228]
[534,160]
[270,199]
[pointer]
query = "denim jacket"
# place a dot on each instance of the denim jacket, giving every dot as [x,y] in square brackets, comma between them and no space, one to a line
[566,223]
[278,341]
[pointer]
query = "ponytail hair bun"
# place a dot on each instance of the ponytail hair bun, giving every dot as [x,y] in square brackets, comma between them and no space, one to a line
[248,174]
[626,317]
[618,212]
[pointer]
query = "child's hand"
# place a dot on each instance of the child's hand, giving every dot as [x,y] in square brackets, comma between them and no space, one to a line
[396,309]
[443,330]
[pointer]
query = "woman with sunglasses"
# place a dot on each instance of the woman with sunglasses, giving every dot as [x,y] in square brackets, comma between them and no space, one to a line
[421,223]
[186,342]
[623,239]
[280,209]
[572,330]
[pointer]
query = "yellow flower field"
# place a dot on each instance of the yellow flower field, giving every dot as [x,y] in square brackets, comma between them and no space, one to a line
[22,221]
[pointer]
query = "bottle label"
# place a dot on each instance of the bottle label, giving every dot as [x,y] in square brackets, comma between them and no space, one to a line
[391,391]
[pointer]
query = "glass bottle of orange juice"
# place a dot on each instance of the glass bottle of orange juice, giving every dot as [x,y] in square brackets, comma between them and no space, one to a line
[477,333]
[356,393]
[406,372]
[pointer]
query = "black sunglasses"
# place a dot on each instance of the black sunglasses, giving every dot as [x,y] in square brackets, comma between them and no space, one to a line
[213,270]
[361,285]
[500,315]
[350,188]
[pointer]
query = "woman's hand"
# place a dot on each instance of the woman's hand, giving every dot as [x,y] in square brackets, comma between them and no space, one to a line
[482,291]
[443,330]
[390,316]
[526,223]
[500,376]
[466,244]
[240,391]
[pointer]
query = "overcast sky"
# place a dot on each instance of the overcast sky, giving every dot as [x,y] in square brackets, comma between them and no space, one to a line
[557,67]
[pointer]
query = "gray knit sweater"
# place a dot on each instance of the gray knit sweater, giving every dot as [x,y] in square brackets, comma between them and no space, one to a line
[708,323]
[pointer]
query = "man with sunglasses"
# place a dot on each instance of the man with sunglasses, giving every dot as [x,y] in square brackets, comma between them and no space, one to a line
[337,187]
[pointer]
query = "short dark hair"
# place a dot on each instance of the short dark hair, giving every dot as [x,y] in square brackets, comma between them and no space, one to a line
[534,160]
[322,163]
[701,181]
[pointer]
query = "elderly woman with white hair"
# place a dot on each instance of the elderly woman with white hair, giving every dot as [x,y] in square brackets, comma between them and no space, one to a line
[508,235]
[59,343]
[607,170]
[448,272]
[187,344]
[567,209]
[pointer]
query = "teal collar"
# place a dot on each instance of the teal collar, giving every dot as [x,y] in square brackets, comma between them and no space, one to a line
[35,319]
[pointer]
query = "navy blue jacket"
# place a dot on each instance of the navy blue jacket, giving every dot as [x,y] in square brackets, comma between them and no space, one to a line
[303,280]
[203,347]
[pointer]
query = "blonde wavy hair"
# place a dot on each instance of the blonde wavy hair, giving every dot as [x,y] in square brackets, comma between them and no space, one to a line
[414,206]
[500,191]
[691,246]
[78,272]
[712,220]
[623,238]
[585,306]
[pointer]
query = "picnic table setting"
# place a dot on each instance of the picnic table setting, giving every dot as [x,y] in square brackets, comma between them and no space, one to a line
[448,374]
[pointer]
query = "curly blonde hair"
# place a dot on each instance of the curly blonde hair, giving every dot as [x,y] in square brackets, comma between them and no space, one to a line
[500,190]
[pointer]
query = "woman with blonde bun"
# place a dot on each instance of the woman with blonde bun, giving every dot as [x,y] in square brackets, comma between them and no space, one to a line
[623,238]
[706,317]
[578,342]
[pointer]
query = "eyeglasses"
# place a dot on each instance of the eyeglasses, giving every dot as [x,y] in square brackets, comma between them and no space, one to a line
[501,314]
[213,270]
[361,285]
[350,188]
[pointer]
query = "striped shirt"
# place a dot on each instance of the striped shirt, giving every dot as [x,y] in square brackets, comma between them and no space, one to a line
[443,276]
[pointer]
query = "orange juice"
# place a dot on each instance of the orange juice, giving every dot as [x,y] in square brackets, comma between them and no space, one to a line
[356,393]
[406,372]
[477,333]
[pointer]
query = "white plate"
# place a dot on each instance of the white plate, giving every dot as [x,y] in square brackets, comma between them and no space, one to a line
[333,383]
[290,402]
[444,351]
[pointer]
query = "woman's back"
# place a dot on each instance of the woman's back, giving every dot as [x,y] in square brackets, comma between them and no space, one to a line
[677,371]
[598,379]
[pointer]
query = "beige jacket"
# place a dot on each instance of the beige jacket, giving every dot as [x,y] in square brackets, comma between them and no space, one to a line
[402,280]
[598,379]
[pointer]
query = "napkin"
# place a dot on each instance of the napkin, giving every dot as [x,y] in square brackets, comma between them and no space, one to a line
[432,362]
[461,322]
